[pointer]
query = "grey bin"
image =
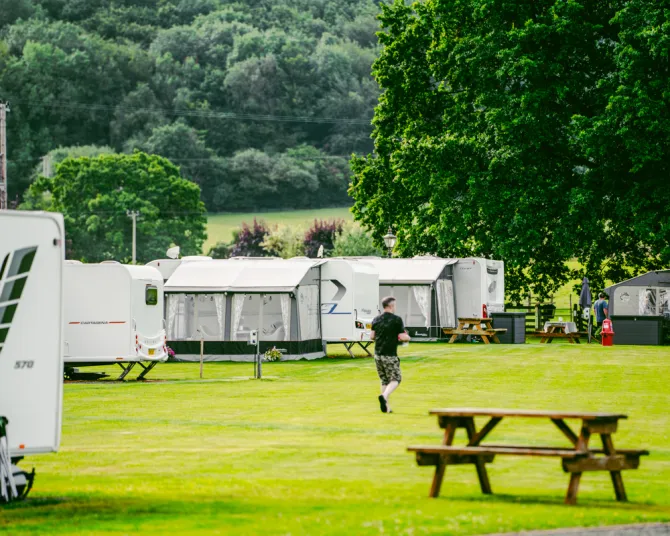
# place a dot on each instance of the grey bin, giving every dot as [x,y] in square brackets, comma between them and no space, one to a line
[514,323]
[642,330]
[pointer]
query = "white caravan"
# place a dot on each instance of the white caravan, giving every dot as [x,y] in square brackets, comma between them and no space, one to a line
[113,314]
[480,287]
[349,302]
[31,365]
[424,293]
[167,267]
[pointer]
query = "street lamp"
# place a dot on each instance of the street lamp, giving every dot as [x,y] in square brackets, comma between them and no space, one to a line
[390,240]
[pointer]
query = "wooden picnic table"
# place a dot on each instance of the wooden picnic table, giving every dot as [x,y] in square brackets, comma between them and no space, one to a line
[480,327]
[558,330]
[577,459]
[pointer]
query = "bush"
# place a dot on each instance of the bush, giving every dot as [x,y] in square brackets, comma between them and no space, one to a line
[221,250]
[247,241]
[284,241]
[322,233]
[355,241]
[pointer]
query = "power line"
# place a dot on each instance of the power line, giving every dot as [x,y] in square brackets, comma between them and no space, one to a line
[206,114]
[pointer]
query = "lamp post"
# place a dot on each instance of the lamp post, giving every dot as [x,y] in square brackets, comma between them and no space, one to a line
[390,240]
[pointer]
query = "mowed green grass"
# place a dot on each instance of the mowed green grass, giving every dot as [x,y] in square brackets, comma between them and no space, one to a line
[306,451]
[220,227]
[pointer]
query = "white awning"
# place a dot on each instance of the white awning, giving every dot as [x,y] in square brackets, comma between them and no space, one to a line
[409,271]
[275,275]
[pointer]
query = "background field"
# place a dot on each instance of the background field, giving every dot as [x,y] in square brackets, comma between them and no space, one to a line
[306,451]
[220,226]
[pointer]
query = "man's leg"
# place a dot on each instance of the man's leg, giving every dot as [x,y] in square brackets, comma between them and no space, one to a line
[392,386]
[392,367]
[381,372]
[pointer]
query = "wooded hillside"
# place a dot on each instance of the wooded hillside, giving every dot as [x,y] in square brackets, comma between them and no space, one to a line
[260,102]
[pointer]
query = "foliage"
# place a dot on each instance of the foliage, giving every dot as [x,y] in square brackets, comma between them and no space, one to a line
[285,241]
[221,250]
[94,195]
[322,233]
[525,131]
[273,354]
[248,241]
[202,83]
[354,241]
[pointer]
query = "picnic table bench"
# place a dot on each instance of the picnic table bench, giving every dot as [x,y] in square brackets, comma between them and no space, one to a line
[558,330]
[575,460]
[480,327]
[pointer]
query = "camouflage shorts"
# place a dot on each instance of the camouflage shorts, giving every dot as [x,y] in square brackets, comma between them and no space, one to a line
[388,368]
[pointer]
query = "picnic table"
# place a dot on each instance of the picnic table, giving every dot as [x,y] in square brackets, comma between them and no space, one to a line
[480,327]
[559,330]
[577,459]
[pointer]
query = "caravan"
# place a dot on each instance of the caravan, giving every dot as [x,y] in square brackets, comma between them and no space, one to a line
[167,267]
[113,314]
[349,302]
[31,366]
[424,293]
[480,287]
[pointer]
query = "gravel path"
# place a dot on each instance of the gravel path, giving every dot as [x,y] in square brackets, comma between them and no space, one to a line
[648,529]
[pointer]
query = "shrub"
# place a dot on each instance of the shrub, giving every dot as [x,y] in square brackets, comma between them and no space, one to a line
[221,250]
[284,241]
[355,241]
[322,233]
[247,241]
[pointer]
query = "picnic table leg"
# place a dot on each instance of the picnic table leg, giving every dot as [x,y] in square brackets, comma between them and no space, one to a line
[482,474]
[573,487]
[449,433]
[617,479]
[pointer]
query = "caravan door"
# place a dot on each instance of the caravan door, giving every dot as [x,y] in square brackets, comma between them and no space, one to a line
[31,361]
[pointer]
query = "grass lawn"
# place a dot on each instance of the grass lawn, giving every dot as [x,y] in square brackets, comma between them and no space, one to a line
[220,226]
[306,451]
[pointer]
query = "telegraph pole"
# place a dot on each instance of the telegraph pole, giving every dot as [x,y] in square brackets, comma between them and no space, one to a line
[133,214]
[3,155]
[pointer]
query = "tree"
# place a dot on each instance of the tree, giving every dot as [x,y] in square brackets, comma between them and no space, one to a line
[497,123]
[94,195]
[322,233]
[354,241]
[248,241]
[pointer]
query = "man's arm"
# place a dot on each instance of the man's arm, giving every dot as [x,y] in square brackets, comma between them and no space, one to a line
[372,335]
[606,311]
[402,335]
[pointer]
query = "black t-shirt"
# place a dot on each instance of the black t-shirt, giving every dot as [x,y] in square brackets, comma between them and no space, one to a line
[387,327]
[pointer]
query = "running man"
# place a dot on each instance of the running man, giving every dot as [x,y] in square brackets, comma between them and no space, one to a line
[387,331]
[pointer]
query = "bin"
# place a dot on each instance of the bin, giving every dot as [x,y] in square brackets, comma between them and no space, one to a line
[514,323]
[643,330]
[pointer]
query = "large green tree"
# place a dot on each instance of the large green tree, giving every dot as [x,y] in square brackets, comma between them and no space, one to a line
[95,194]
[495,127]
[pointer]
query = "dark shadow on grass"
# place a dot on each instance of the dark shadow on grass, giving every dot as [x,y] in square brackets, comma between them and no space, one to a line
[553,500]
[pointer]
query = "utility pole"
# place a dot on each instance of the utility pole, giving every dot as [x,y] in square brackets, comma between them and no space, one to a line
[4,108]
[133,214]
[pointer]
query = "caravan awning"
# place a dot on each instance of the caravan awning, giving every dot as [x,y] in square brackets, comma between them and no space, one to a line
[275,275]
[409,271]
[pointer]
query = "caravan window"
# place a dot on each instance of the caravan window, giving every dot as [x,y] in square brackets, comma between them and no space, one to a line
[151,295]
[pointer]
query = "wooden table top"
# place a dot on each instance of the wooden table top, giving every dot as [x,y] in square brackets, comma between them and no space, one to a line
[547,414]
[474,320]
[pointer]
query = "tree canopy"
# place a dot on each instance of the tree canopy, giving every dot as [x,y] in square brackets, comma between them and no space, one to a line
[211,84]
[95,194]
[530,131]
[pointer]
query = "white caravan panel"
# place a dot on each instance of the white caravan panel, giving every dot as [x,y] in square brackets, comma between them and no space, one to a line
[480,287]
[31,367]
[113,313]
[349,296]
